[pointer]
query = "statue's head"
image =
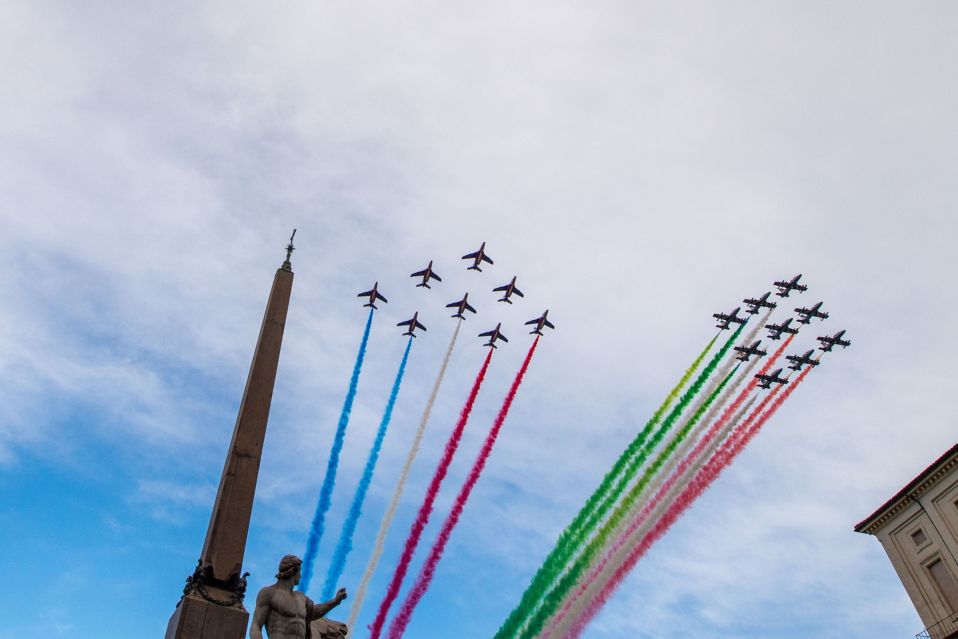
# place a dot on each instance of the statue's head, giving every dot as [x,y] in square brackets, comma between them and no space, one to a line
[289,568]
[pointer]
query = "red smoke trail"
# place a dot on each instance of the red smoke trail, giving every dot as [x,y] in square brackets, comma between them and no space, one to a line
[428,570]
[722,460]
[422,518]
[686,463]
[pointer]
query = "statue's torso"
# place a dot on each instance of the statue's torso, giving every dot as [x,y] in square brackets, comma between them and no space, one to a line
[287,615]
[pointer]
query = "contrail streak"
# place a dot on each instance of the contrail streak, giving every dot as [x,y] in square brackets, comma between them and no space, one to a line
[399,624]
[387,520]
[422,517]
[329,481]
[570,538]
[345,544]
[719,462]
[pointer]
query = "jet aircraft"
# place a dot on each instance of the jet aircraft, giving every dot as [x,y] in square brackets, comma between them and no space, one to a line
[801,360]
[786,287]
[539,323]
[507,290]
[413,323]
[775,377]
[426,274]
[744,352]
[493,335]
[477,258]
[830,342]
[726,319]
[461,306]
[756,304]
[775,330]
[810,313]
[373,294]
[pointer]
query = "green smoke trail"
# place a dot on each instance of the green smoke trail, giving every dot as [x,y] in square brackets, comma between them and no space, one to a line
[598,502]
[553,599]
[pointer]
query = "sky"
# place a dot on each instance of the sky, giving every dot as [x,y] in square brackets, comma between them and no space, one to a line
[638,166]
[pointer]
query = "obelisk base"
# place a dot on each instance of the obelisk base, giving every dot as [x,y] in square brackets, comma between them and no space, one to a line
[196,618]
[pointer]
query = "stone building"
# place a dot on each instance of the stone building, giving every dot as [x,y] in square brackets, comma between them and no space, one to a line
[918,528]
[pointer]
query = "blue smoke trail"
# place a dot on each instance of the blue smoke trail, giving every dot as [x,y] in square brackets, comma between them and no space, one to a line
[326,492]
[345,543]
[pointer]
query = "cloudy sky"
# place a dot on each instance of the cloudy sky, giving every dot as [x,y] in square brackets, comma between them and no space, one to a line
[639,166]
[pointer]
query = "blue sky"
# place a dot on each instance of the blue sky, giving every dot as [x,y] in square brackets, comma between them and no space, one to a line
[639,166]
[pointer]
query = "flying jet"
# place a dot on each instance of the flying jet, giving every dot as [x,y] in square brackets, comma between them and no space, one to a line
[540,322]
[726,319]
[744,352]
[373,295]
[426,274]
[784,288]
[829,342]
[775,330]
[810,313]
[413,323]
[801,360]
[477,258]
[756,304]
[775,377]
[493,335]
[507,290]
[461,306]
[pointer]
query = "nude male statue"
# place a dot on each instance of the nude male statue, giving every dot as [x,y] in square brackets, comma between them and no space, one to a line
[289,614]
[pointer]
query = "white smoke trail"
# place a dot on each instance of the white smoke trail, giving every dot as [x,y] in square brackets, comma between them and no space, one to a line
[400,484]
[554,628]
[625,546]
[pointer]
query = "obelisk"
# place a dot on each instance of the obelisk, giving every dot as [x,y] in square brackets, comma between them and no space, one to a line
[212,602]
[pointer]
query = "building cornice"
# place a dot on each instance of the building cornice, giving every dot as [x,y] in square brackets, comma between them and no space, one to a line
[894,506]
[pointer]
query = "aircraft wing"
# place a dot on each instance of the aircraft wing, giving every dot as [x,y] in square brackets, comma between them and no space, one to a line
[380,297]
[454,304]
[406,323]
[550,324]
[503,337]
[419,325]
[470,256]
[518,292]
[504,287]
[532,321]
[366,294]
[486,334]
[435,277]
[470,308]
[418,273]
[486,258]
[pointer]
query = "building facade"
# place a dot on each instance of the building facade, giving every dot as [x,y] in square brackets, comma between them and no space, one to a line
[918,528]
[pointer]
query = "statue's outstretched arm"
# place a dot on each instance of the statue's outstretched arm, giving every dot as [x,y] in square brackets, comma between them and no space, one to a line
[320,609]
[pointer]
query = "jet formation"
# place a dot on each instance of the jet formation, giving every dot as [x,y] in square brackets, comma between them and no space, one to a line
[428,276]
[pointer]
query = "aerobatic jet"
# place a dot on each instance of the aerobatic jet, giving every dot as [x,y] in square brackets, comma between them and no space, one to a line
[426,274]
[461,306]
[786,287]
[413,323]
[726,319]
[477,258]
[539,323]
[373,294]
[755,304]
[493,335]
[744,352]
[801,360]
[830,342]
[775,377]
[809,313]
[507,290]
[775,330]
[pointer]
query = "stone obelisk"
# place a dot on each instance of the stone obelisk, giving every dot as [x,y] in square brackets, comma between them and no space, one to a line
[212,602]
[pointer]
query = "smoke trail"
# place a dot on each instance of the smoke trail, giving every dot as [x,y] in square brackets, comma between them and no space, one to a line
[552,600]
[387,520]
[345,543]
[329,481]
[422,517]
[713,469]
[428,570]
[570,537]
[690,465]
